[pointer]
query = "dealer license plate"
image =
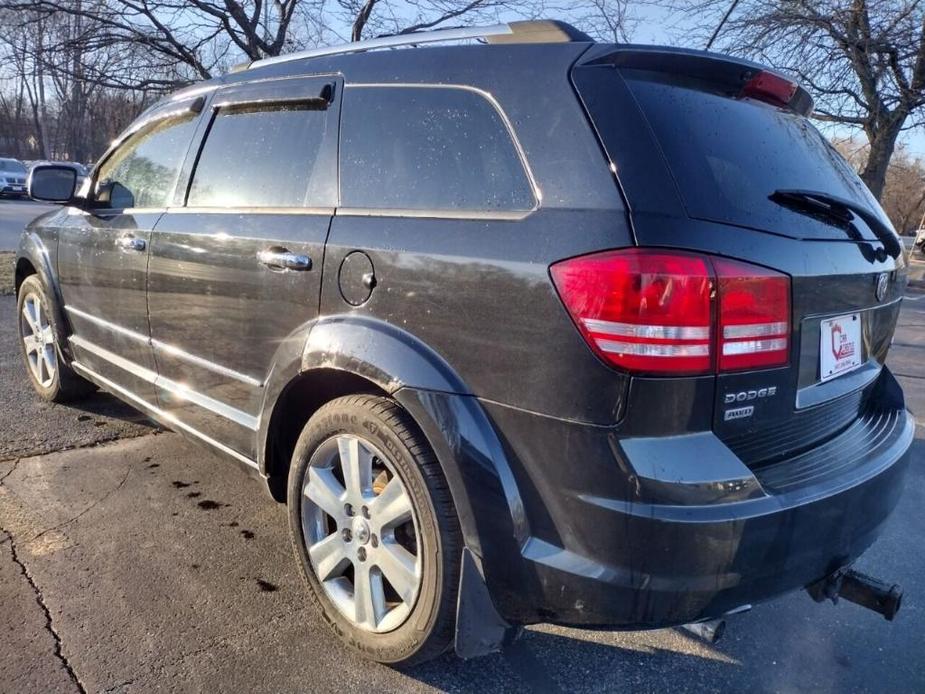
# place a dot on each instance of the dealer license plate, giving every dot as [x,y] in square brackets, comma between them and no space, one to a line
[839,345]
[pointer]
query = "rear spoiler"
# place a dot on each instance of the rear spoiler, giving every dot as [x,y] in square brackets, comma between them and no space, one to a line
[733,76]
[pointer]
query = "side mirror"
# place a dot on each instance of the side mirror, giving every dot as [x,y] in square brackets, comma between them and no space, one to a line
[114,195]
[52,183]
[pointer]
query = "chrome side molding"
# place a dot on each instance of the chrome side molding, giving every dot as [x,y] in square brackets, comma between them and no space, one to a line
[177,389]
[167,349]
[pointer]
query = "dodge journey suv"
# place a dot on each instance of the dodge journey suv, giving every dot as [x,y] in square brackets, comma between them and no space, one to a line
[522,327]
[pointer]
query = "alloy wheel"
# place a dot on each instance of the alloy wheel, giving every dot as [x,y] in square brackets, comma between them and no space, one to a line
[39,340]
[361,532]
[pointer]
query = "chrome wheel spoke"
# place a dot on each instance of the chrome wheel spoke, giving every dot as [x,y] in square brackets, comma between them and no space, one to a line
[37,314]
[356,462]
[324,490]
[368,596]
[393,506]
[50,359]
[39,367]
[32,344]
[329,557]
[30,313]
[399,567]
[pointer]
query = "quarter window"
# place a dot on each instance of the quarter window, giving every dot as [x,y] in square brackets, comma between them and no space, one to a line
[261,156]
[428,148]
[143,172]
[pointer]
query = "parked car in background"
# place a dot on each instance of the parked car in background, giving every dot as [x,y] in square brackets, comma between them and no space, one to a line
[12,178]
[535,330]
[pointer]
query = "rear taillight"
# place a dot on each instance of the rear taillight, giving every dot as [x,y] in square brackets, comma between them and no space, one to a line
[753,321]
[669,312]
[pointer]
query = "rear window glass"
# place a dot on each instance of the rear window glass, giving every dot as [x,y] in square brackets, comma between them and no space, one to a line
[261,156]
[728,155]
[428,148]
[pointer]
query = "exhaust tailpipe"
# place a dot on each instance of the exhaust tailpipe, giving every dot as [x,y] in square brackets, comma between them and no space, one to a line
[710,631]
[861,589]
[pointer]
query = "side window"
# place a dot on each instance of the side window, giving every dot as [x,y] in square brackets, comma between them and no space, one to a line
[144,170]
[428,148]
[260,156]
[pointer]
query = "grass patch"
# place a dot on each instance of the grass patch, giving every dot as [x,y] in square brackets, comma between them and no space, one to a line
[7,285]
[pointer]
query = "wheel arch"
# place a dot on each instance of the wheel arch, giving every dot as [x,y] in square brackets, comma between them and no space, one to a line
[331,357]
[345,355]
[298,400]
[24,268]
[33,258]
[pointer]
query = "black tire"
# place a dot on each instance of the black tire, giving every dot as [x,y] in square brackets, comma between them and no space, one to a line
[65,385]
[429,628]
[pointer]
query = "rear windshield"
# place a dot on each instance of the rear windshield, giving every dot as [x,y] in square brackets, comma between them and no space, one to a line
[728,155]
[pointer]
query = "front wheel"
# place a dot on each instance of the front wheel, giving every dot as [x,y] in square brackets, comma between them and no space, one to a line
[375,530]
[51,376]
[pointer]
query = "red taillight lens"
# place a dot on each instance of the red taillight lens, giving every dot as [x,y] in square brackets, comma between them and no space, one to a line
[754,316]
[652,311]
[770,88]
[642,310]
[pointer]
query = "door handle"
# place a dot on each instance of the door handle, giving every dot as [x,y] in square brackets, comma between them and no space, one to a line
[281,259]
[130,243]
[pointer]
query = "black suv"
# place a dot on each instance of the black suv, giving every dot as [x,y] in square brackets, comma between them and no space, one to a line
[529,329]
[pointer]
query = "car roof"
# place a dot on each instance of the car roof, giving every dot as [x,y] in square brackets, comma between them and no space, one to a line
[416,53]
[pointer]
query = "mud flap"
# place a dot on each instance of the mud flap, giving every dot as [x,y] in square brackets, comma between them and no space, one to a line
[480,630]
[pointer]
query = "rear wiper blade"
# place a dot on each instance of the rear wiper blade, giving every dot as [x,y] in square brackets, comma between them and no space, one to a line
[839,209]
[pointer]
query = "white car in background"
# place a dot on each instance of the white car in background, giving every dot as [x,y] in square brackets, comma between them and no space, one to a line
[12,178]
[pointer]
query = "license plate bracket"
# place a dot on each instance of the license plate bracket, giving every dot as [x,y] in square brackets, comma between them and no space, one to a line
[839,345]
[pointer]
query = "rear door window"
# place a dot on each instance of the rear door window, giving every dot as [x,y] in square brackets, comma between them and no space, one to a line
[431,149]
[728,155]
[261,155]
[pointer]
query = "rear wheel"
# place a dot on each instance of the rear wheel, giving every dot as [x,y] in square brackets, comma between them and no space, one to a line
[375,530]
[51,376]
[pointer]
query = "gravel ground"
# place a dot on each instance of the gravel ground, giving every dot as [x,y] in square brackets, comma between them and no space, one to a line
[6,273]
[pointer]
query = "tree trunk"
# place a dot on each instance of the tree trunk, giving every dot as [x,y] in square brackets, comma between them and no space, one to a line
[882,144]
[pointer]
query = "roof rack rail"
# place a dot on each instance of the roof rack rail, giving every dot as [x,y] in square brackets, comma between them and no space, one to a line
[536,31]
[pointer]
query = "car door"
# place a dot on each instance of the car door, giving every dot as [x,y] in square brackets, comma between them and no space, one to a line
[103,250]
[236,267]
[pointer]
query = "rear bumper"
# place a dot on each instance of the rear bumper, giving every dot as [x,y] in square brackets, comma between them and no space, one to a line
[632,534]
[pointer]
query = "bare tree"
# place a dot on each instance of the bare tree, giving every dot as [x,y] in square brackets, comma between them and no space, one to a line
[604,20]
[863,61]
[194,37]
[385,17]
[74,72]
[903,197]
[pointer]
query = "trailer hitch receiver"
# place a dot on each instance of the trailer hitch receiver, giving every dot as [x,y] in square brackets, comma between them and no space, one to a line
[861,589]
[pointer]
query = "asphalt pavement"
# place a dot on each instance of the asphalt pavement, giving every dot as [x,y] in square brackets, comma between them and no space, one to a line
[138,560]
[14,215]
